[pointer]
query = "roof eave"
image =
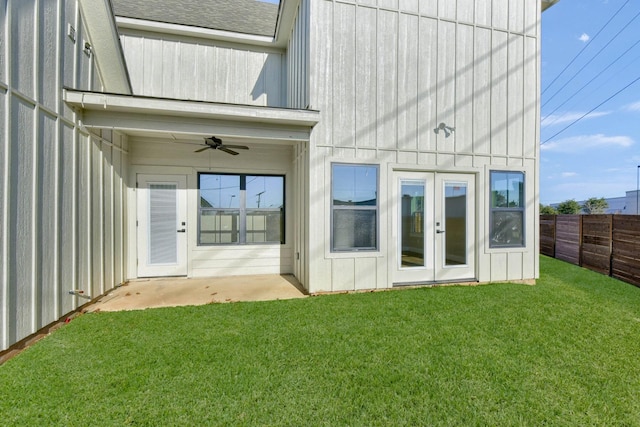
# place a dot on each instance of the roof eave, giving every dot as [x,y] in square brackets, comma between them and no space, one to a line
[105,42]
[284,24]
[126,112]
[546,4]
[190,31]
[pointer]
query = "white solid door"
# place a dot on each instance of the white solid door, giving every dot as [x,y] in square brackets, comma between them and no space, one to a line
[162,225]
[433,228]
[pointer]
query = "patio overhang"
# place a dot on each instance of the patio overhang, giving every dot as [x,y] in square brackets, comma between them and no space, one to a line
[137,114]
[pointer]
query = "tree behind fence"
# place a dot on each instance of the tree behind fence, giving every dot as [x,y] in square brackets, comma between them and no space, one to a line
[608,244]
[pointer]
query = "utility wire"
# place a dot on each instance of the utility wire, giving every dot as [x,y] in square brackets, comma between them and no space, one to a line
[591,111]
[592,58]
[585,46]
[588,83]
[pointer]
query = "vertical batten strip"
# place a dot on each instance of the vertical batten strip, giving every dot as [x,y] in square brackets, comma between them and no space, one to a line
[57,142]
[4,278]
[36,266]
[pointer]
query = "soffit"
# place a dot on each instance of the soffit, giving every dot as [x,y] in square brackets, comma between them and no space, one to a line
[105,43]
[146,115]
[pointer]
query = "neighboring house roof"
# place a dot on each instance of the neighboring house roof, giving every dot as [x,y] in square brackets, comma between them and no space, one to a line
[546,4]
[241,16]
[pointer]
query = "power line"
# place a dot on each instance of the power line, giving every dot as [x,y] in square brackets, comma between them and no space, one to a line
[591,111]
[585,46]
[589,82]
[591,60]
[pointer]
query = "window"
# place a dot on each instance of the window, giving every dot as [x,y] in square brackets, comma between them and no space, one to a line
[507,210]
[354,207]
[240,209]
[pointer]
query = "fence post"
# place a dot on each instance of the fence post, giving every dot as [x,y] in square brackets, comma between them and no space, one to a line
[580,239]
[555,228]
[610,245]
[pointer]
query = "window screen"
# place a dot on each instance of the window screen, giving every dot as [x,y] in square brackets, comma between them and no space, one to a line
[241,209]
[507,209]
[354,207]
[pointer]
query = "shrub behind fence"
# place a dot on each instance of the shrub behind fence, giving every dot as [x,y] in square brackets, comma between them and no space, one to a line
[608,244]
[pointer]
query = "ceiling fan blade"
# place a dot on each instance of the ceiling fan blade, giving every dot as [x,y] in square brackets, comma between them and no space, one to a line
[202,149]
[226,150]
[241,147]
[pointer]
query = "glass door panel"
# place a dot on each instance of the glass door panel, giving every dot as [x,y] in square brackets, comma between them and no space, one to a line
[412,229]
[412,224]
[455,220]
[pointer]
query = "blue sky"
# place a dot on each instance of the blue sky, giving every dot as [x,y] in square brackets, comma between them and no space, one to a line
[597,156]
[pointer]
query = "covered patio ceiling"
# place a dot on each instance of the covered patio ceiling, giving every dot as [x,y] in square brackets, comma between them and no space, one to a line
[190,120]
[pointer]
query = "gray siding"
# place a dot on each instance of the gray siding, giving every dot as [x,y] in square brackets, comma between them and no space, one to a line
[202,70]
[50,177]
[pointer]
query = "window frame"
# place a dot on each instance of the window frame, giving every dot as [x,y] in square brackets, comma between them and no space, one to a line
[522,209]
[242,210]
[333,208]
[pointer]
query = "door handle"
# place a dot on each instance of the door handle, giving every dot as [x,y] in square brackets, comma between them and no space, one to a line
[182,231]
[439,231]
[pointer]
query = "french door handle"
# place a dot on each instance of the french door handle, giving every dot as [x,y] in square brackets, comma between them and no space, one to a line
[440,231]
[182,231]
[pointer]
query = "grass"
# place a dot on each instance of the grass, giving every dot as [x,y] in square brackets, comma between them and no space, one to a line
[563,352]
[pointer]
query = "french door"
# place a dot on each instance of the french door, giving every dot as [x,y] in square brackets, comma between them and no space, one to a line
[162,226]
[433,230]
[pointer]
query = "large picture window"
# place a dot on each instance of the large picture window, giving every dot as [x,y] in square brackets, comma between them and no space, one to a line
[240,209]
[507,209]
[354,207]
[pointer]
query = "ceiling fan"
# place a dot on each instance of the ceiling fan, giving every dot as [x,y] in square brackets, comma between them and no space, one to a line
[216,144]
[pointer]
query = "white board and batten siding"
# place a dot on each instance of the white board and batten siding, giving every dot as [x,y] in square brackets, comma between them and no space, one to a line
[155,156]
[188,68]
[53,173]
[385,73]
[298,59]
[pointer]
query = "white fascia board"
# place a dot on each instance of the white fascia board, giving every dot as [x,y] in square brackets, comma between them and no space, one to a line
[284,24]
[105,43]
[181,108]
[124,112]
[189,31]
[193,126]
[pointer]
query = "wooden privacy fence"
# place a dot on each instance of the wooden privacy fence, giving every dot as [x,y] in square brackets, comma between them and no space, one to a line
[608,244]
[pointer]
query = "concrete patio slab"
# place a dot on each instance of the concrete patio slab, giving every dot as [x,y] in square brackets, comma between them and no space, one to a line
[172,292]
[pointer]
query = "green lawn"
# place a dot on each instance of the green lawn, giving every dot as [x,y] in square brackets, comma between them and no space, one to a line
[564,352]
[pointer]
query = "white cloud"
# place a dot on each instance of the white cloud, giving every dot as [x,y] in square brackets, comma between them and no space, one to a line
[558,119]
[586,142]
[569,174]
[584,37]
[632,107]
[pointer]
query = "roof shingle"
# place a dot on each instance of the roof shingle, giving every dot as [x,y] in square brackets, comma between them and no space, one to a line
[242,16]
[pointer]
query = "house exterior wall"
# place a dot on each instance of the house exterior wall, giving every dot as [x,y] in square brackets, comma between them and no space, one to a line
[60,187]
[180,67]
[298,59]
[152,156]
[632,203]
[384,74]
